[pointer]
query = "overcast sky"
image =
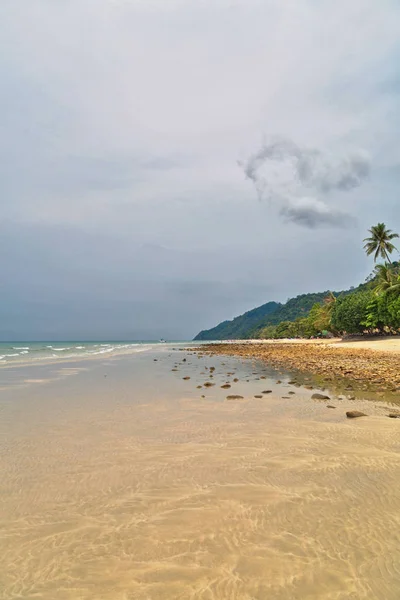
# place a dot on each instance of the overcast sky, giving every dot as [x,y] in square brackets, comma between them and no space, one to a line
[168,164]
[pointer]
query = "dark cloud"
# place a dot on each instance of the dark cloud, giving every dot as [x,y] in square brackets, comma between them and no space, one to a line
[283,172]
[314,213]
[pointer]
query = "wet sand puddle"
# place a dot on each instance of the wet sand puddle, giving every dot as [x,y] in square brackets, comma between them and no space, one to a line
[178,496]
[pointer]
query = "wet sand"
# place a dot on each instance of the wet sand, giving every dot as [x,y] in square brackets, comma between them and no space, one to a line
[132,486]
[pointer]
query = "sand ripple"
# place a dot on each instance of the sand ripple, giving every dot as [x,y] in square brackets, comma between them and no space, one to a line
[202,501]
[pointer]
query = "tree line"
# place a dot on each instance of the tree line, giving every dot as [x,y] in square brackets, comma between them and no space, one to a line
[374,307]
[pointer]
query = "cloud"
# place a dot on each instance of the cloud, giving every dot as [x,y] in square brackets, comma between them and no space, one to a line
[314,213]
[121,125]
[282,171]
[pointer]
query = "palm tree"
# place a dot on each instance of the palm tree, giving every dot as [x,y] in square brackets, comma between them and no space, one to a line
[384,278]
[380,243]
[387,279]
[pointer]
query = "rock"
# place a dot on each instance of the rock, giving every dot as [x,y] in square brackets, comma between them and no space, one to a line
[258,396]
[292,382]
[236,380]
[353,414]
[225,386]
[234,397]
[185,378]
[285,397]
[203,396]
[267,391]
[291,393]
[184,360]
[263,377]
[309,387]
[330,406]
[174,369]
[279,381]
[208,384]
[199,387]
[394,416]
[155,359]
[320,397]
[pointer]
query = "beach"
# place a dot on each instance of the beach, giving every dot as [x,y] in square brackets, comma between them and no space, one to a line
[373,363]
[122,478]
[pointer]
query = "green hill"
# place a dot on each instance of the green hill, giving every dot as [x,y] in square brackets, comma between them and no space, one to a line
[240,327]
[250,323]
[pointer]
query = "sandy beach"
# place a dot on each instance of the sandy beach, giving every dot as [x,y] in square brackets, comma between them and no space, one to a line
[126,480]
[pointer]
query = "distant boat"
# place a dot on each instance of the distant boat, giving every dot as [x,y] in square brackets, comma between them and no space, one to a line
[162,341]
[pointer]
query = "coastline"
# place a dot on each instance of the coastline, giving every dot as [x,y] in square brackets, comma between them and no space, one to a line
[370,362]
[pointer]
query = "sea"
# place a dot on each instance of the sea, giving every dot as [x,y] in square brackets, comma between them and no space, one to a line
[31,352]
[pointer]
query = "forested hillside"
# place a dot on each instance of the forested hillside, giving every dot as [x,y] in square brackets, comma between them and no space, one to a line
[239,327]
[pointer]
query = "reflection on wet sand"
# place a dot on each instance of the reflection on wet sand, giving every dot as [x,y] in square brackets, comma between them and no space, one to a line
[202,499]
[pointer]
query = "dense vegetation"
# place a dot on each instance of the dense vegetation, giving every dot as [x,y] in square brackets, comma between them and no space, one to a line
[373,307]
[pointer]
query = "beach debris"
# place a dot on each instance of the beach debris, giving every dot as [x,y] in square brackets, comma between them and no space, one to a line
[174,369]
[199,387]
[330,406]
[267,392]
[203,396]
[263,377]
[291,393]
[185,378]
[184,360]
[278,381]
[258,396]
[225,386]
[285,397]
[234,397]
[292,382]
[309,387]
[208,384]
[155,359]
[394,415]
[354,414]
[236,380]
[320,397]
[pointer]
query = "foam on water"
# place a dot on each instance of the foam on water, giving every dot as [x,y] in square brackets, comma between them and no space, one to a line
[26,353]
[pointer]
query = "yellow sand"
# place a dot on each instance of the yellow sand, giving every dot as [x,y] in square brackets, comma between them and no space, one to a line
[251,500]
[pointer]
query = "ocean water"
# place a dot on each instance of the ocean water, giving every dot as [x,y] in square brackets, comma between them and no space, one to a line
[29,352]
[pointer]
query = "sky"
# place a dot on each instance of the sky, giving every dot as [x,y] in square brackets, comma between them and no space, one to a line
[168,164]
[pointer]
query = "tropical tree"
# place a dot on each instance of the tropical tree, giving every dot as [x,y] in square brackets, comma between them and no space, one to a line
[380,242]
[384,278]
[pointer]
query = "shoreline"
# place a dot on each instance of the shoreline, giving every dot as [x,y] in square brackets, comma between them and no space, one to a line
[373,362]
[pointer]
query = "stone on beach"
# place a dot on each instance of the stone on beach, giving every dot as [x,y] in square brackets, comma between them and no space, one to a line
[320,397]
[354,414]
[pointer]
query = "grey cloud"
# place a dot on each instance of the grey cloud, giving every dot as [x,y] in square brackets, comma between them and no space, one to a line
[314,213]
[283,172]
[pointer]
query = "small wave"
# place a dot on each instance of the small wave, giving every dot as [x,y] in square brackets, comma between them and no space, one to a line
[13,354]
[79,347]
[24,352]
[60,349]
[20,348]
